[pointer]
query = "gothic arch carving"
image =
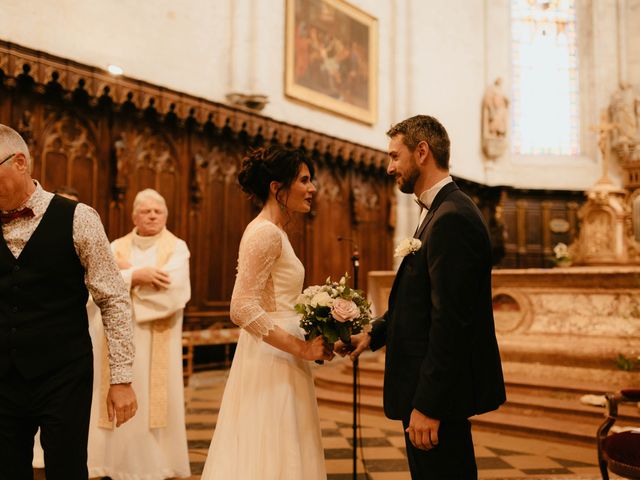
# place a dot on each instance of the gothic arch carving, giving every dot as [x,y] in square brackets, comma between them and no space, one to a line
[329,188]
[69,156]
[364,199]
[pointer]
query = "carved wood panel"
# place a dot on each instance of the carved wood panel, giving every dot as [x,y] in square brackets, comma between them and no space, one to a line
[330,219]
[69,156]
[110,140]
[224,214]
[534,222]
[146,159]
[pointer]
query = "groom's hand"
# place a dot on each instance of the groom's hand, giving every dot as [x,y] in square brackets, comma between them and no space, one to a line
[423,430]
[359,343]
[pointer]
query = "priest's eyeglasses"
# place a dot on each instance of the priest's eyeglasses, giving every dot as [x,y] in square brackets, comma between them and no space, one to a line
[7,159]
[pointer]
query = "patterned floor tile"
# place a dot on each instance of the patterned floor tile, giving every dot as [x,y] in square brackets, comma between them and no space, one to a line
[381,442]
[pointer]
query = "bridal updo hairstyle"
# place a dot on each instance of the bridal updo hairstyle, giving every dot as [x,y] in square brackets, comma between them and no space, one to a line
[274,163]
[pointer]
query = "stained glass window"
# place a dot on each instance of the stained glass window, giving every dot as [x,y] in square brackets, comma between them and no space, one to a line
[545,109]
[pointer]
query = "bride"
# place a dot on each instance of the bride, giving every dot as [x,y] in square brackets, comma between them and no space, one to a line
[268,426]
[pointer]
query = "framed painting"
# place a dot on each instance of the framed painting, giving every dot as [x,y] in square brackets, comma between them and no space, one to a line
[332,57]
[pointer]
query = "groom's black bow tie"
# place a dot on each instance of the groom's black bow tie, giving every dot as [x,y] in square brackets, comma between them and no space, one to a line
[420,203]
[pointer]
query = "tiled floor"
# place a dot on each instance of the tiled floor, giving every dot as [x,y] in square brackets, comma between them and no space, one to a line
[498,456]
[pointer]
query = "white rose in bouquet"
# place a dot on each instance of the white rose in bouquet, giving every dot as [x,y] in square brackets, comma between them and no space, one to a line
[321,299]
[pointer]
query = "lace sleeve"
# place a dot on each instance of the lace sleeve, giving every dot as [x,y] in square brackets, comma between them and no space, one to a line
[259,250]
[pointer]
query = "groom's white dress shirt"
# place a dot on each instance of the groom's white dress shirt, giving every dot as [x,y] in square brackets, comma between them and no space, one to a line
[426,198]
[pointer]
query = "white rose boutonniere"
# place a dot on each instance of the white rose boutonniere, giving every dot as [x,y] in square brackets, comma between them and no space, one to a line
[407,246]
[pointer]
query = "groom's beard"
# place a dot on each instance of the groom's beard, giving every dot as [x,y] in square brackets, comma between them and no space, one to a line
[407,181]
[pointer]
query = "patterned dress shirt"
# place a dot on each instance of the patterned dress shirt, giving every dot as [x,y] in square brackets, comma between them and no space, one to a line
[102,277]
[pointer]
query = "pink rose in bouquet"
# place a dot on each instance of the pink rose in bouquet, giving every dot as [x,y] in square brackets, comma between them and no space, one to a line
[333,310]
[344,310]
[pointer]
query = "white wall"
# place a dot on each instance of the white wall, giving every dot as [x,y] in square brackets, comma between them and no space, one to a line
[172,44]
[448,75]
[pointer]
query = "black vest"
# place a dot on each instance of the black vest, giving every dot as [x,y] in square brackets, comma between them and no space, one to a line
[43,316]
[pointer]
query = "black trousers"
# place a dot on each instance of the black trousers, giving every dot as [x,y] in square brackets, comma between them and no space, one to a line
[60,404]
[452,459]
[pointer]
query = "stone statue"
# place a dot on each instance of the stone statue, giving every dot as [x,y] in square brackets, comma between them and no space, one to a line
[604,130]
[625,114]
[495,120]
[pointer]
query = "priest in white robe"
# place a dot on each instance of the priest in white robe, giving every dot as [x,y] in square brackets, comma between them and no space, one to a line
[155,265]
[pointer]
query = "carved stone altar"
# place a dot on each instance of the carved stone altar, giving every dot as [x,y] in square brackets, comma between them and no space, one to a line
[580,316]
[607,230]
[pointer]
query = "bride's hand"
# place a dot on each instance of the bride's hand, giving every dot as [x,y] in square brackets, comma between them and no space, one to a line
[317,349]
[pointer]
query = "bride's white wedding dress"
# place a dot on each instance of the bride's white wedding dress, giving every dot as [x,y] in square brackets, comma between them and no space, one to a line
[268,426]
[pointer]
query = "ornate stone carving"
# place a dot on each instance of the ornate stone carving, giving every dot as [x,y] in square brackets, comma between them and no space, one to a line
[254,101]
[511,311]
[625,114]
[584,314]
[591,314]
[495,120]
[603,236]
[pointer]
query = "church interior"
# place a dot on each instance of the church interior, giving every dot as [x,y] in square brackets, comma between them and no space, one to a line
[541,99]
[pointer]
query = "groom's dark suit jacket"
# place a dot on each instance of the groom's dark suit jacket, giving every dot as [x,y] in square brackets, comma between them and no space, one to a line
[442,355]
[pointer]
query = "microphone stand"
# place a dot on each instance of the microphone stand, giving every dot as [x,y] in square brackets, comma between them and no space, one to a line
[355,260]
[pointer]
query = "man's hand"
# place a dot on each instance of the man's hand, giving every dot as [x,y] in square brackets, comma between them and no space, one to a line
[359,343]
[150,277]
[423,431]
[121,403]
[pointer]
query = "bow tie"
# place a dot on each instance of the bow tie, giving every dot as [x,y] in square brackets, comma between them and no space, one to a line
[10,216]
[420,203]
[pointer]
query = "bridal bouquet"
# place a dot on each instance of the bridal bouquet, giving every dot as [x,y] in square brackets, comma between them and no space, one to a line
[333,310]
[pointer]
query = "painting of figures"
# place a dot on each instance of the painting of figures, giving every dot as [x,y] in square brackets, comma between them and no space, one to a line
[332,57]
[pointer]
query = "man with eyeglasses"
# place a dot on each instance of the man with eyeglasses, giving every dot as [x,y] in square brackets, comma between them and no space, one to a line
[53,252]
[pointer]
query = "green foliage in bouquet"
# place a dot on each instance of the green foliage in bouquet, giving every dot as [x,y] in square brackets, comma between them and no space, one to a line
[333,310]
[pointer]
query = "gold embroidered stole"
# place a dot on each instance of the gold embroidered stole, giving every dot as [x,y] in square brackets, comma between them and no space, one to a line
[160,333]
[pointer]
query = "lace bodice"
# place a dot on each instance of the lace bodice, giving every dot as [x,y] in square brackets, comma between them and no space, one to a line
[270,277]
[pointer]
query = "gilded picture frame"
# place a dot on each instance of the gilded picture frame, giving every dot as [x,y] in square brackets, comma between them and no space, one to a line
[332,57]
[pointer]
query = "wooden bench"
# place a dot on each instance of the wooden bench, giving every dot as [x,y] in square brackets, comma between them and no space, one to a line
[210,336]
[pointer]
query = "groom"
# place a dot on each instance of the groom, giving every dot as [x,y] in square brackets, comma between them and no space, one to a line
[442,360]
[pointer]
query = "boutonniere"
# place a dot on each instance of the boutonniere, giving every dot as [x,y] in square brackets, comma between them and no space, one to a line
[407,246]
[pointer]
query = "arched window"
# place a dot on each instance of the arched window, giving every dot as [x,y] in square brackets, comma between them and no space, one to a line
[545,88]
